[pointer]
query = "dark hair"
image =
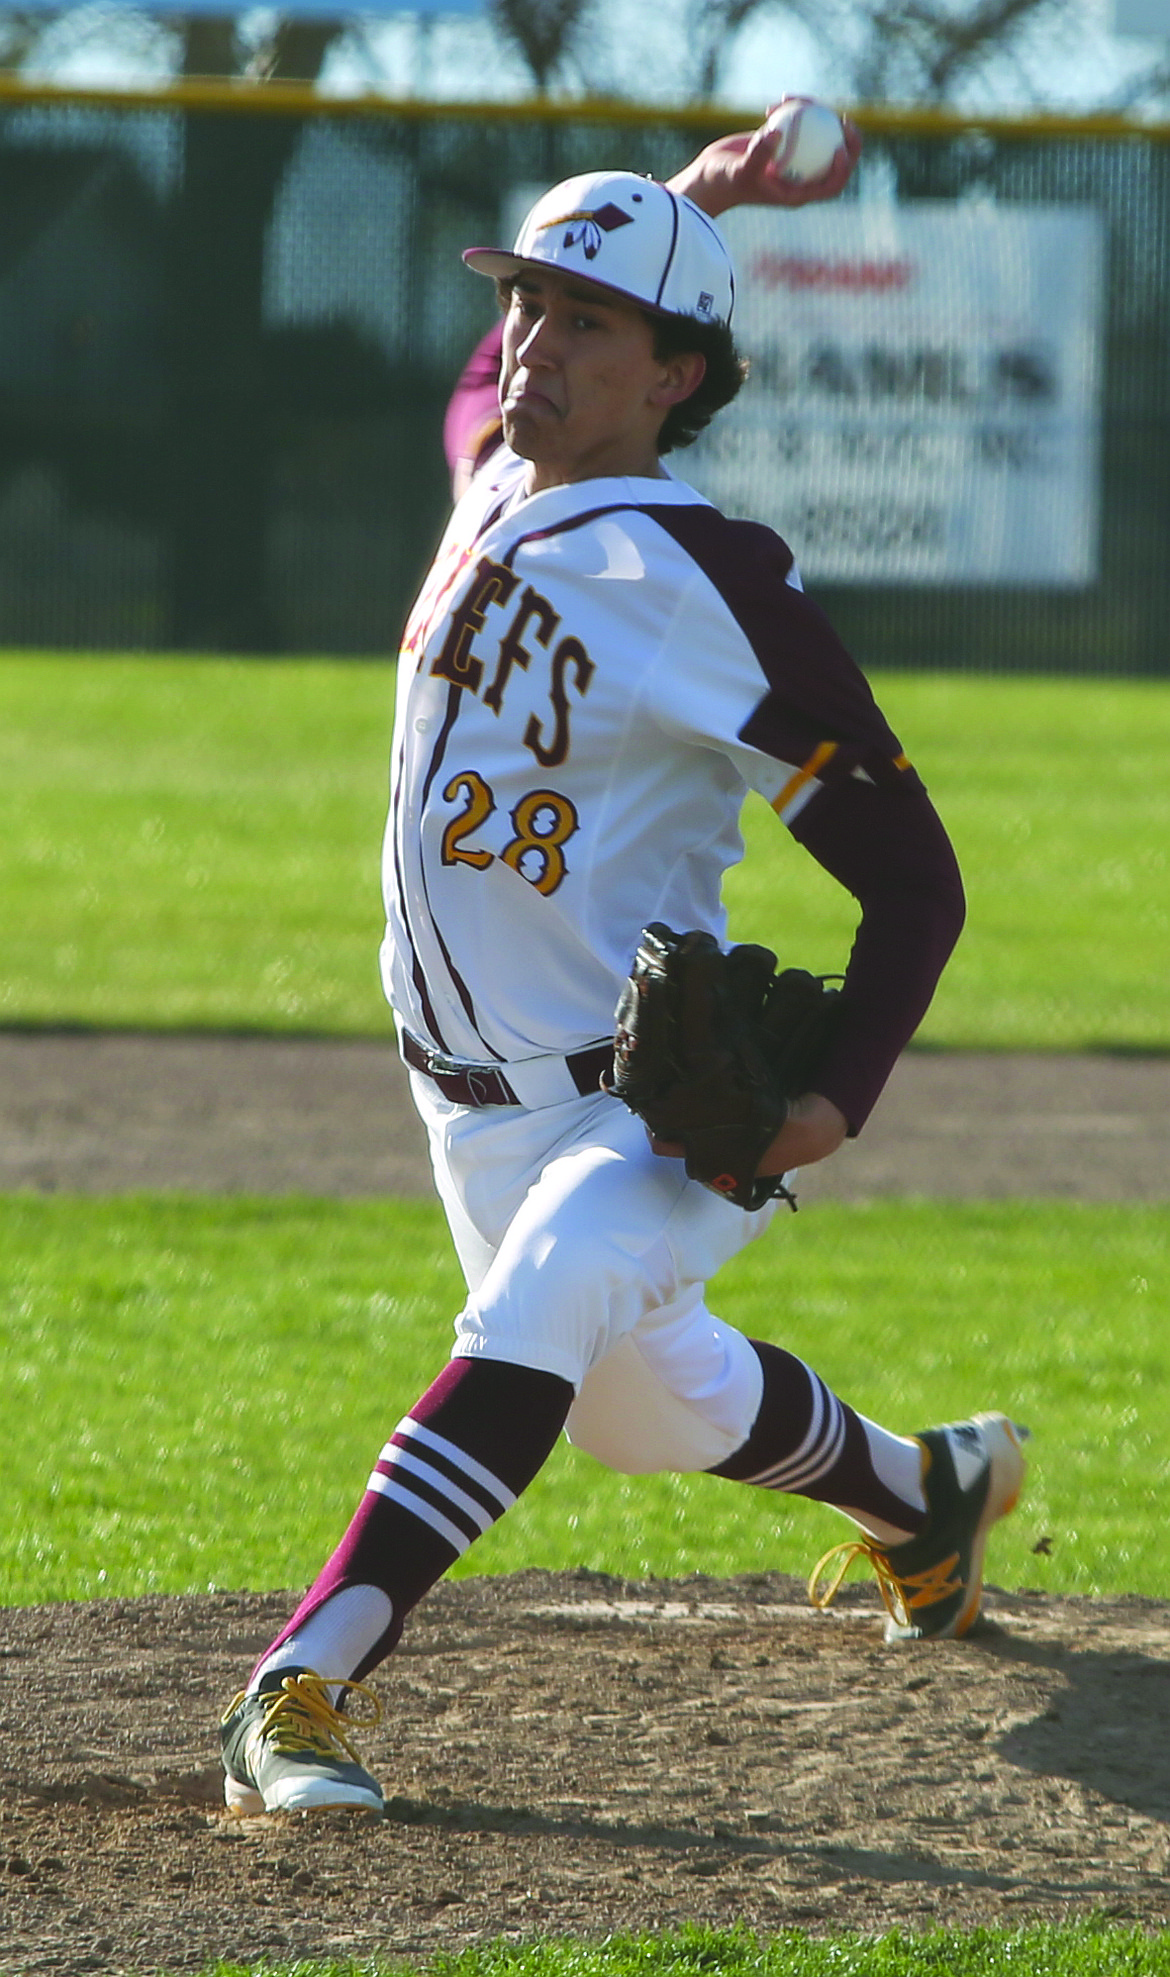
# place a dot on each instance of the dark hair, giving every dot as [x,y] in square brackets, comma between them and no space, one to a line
[726,370]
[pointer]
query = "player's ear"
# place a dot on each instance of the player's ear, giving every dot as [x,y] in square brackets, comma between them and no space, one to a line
[679,377]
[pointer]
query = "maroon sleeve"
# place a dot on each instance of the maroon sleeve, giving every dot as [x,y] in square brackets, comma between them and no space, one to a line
[471,428]
[887,845]
[870,822]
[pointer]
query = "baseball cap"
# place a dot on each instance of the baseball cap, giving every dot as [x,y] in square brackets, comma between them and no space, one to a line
[629,234]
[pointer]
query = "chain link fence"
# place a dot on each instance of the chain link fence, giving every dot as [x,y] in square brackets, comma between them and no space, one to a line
[228,329]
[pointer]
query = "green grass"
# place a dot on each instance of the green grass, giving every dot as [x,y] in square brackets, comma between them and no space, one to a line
[192,841]
[197,842]
[172,1363]
[1040,1951]
[1083,1949]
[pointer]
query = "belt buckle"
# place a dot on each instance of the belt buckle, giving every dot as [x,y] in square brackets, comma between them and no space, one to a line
[437,1065]
[482,1081]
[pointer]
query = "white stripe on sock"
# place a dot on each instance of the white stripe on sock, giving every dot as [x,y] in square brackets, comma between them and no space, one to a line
[819,1449]
[458,1458]
[402,1458]
[424,1511]
[812,1460]
[812,1439]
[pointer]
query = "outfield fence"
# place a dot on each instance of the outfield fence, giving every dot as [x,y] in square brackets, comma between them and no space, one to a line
[230,318]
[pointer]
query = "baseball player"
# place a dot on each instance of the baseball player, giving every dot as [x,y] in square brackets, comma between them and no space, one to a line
[597,669]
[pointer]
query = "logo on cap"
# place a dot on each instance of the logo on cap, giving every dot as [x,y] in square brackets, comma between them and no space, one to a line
[705,304]
[588,230]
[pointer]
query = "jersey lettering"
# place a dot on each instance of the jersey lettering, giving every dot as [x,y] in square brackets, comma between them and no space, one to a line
[570,652]
[512,652]
[493,583]
[535,618]
[433,597]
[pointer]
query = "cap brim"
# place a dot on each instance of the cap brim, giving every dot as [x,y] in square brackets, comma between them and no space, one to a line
[494,261]
[501,265]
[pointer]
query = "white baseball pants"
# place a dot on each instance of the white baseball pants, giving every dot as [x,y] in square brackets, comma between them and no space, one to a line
[586,1255]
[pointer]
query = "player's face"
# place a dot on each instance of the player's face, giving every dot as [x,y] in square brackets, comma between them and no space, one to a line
[581,390]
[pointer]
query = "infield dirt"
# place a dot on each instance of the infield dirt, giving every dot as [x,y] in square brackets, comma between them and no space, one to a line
[568,1753]
[105,1113]
[571,1754]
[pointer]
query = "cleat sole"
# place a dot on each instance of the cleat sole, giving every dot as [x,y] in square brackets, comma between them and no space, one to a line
[244,1803]
[241,1801]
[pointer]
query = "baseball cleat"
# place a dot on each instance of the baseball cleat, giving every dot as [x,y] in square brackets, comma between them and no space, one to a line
[932,1584]
[286,1747]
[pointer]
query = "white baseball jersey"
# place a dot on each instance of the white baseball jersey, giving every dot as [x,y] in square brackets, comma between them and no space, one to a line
[580,712]
[591,679]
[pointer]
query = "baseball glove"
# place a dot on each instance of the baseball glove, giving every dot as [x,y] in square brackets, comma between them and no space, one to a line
[712,1047]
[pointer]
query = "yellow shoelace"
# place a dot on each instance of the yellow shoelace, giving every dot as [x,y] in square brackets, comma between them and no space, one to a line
[900,1596]
[300,1716]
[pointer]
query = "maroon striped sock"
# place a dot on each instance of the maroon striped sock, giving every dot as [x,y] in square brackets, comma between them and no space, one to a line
[807,1442]
[453,1465]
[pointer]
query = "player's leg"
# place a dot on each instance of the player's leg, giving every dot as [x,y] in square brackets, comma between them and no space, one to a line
[925,1503]
[680,1387]
[600,1279]
[576,1259]
[686,1391]
[678,1393]
[454,1464]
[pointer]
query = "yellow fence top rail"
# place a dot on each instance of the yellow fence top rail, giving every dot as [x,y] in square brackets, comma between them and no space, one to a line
[249,98]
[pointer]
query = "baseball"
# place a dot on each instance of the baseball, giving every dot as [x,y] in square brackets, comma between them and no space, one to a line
[807,138]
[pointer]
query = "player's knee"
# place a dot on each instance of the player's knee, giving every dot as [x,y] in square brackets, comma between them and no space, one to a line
[630,1420]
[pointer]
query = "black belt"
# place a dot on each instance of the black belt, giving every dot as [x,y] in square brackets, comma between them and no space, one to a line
[475,1084]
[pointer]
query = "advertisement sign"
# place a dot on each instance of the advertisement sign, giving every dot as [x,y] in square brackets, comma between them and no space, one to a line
[923,405]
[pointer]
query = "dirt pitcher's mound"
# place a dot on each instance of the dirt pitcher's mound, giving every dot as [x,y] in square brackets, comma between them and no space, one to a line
[577,1754]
